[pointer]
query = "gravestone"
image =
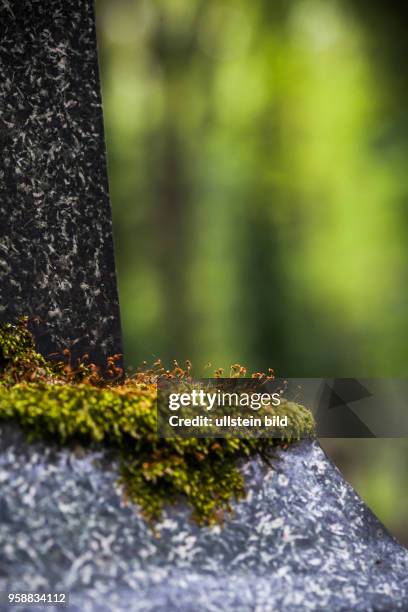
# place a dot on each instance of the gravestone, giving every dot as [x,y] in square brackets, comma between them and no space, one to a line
[56,249]
[301,540]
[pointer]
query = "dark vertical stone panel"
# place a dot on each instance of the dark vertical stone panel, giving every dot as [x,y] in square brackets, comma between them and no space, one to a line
[56,249]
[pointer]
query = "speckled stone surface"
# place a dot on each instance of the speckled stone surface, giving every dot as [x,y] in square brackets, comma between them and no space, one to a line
[56,252]
[303,540]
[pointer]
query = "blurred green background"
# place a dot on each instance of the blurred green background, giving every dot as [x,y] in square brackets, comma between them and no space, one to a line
[258,167]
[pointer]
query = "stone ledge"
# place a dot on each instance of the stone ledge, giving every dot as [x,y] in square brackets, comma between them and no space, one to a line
[303,539]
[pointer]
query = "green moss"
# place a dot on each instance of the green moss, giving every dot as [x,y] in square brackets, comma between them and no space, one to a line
[74,405]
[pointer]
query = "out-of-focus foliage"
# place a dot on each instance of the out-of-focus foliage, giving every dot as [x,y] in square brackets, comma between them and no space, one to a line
[257,154]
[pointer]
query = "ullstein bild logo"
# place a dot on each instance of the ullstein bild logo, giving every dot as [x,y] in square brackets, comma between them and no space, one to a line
[283,408]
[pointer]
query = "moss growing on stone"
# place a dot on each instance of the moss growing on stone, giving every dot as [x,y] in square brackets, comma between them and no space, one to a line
[73,404]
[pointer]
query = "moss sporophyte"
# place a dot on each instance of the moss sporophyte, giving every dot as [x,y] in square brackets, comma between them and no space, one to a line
[75,405]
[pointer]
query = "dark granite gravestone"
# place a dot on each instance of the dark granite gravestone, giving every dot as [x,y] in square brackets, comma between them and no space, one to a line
[56,251]
[302,540]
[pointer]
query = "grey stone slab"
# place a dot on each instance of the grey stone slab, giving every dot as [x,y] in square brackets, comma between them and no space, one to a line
[302,540]
[56,251]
